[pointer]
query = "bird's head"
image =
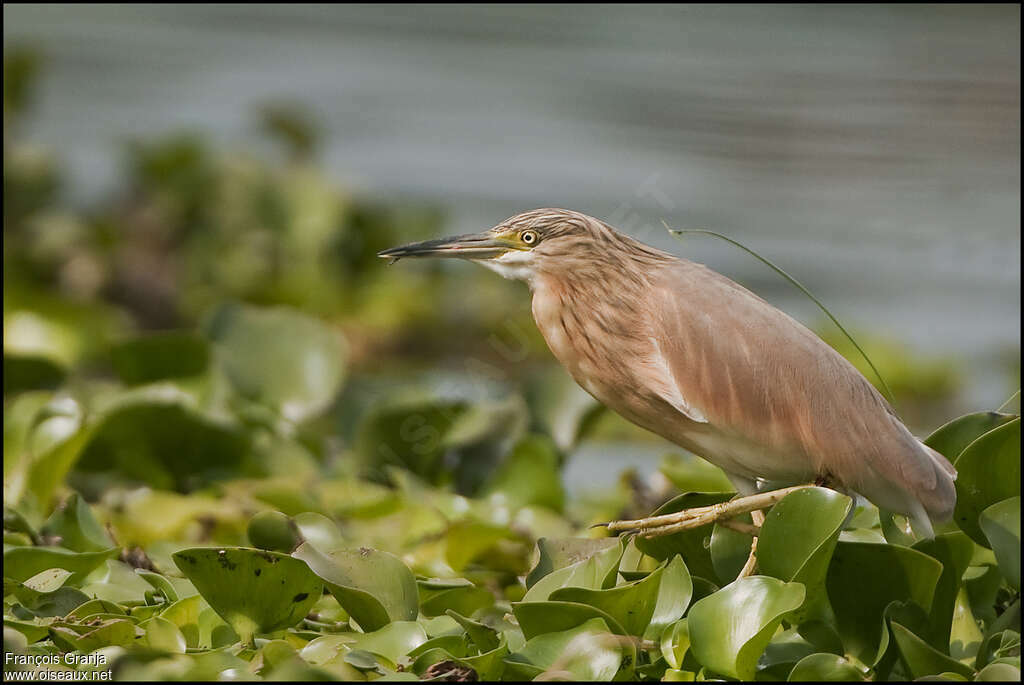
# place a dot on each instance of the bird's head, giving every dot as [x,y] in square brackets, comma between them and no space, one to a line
[525,244]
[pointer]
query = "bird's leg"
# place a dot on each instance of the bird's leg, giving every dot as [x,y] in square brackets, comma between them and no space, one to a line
[688,519]
[748,568]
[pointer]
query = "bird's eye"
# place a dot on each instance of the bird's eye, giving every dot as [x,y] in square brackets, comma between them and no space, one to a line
[528,237]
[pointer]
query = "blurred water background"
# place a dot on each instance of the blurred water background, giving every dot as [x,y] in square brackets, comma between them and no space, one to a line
[873,151]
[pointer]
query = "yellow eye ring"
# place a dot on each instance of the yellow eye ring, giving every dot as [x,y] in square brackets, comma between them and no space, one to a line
[529,237]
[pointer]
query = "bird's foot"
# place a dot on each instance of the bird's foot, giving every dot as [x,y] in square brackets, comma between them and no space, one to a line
[688,519]
[751,565]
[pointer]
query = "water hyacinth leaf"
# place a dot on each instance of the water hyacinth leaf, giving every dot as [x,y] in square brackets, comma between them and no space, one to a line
[693,474]
[33,632]
[598,572]
[796,543]
[781,654]
[988,472]
[254,591]
[489,666]
[538,618]
[953,438]
[485,638]
[467,540]
[76,527]
[674,595]
[1001,525]
[863,579]
[631,604]
[165,443]
[319,531]
[692,545]
[85,639]
[185,615]
[52,447]
[21,563]
[953,551]
[97,606]
[824,668]
[921,659]
[587,652]
[49,580]
[160,584]
[529,475]
[999,673]
[279,357]
[729,550]
[374,587]
[392,642]
[159,356]
[556,553]
[409,434]
[965,636]
[437,597]
[163,635]
[730,629]
[31,372]
[675,643]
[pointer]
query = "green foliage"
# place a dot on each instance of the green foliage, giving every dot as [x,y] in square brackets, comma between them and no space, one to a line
[222,461]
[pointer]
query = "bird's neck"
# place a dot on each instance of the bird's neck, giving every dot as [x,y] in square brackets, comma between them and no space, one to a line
[589,316]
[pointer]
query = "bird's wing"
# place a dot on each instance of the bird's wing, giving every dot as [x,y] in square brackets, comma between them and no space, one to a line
[664,384]
[752,371]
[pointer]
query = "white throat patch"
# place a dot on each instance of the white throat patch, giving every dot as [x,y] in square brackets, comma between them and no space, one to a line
[514,264]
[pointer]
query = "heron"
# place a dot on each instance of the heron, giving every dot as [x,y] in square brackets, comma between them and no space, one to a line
[696,358]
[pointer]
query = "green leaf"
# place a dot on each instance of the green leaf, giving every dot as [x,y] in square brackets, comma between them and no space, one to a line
[159,356]
[953,551]
[31,372]
[164,442]
[278,357]
[797,540]
[693,474]
[631,604]
[76,527]
[529,475]
[88,638]
[730,550]
[675,643]
[392,642]
[674,595]
[588,652]
[21,563]
[921,659]
[556,553]
[49,580]
[459,595]
[254,591]
[485,638]
[1004,673]
[692,545]
[163,635]
[824,668]
[1001,525]
[863,579]
[953,438]
[730,629]
[988,472]
[597,572]
[467,540]
[538,618]
[374,587]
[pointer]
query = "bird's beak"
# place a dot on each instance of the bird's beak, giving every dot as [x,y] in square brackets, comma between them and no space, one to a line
[471,246]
